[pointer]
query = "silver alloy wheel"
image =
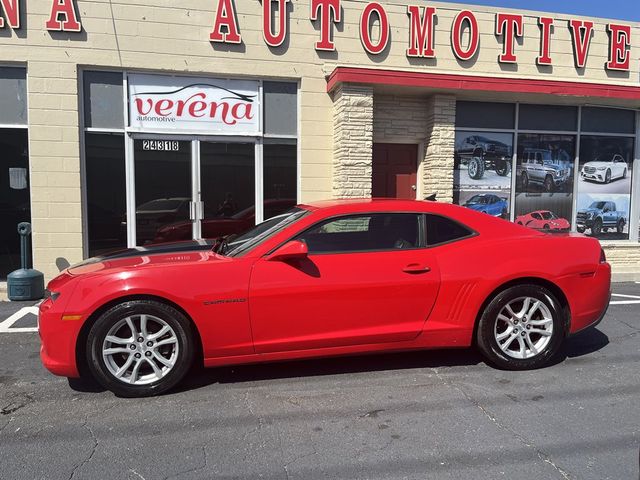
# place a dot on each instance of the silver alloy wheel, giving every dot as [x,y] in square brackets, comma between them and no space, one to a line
[524,327]
[140,349]
[473,168]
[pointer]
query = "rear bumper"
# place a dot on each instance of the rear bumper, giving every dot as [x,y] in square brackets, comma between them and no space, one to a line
[58,341]
[588,294]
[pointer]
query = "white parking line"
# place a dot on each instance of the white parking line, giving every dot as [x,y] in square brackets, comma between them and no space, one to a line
[5,326]
[636,299]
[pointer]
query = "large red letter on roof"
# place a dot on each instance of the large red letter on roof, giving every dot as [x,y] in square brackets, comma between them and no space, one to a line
[274,39]
[12,11]
[421,32]
[328,9]
[65,8]
[619,44]
[581,35]
[225,17]
[509,26]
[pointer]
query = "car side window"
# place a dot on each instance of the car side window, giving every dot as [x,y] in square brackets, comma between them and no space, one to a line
[364,233]
[444,230]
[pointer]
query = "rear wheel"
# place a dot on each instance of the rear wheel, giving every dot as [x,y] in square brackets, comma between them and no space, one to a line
[607,177]
[525,180]
[521,328]
[140,348]
[503,167]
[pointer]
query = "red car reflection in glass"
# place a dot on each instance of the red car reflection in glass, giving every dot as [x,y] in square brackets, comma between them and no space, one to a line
[330,278]
[543,220]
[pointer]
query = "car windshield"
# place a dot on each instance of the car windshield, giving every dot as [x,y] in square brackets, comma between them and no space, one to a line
[548,215]
[598,205]
[605,157]
[263,231]
[479,199]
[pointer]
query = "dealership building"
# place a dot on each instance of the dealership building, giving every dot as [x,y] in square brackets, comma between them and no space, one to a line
[128,123]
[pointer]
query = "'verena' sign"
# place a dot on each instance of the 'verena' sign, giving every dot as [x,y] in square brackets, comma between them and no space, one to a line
[193,105]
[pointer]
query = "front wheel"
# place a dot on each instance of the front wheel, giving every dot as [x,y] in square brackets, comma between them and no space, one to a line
[549,185]
[522,328]
[620,226]
[475,168]
[140,348]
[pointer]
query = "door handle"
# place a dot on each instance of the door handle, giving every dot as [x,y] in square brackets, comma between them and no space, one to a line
[416,268]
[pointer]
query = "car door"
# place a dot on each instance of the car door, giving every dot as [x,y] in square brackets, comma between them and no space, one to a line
[366,280]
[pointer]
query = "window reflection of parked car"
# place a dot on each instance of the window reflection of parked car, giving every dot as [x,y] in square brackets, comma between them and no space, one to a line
[154,214]
[600,217]
[543,220]
[605,168]
[488,203]
[221,226]
[480,153]
[537,166]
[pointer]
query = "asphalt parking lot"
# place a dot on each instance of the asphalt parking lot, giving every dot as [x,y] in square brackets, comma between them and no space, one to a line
[441,415]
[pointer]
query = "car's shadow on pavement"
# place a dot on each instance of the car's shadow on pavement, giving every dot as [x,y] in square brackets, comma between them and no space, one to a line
[579,345]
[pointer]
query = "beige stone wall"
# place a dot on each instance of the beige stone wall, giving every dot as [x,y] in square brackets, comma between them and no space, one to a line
[438,161]
[352,141]
[170,36]
[400,118]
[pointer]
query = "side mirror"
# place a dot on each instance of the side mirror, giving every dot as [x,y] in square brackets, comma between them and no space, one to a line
[294,249]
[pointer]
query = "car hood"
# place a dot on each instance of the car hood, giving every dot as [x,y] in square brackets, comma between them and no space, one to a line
[148,256]
[598,164]
[553,166]
[475,206]
[589,210]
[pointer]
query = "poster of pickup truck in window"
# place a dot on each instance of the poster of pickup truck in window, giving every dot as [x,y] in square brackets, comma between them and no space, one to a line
[603,216]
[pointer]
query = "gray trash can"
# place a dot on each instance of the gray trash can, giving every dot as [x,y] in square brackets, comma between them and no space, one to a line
[25,283]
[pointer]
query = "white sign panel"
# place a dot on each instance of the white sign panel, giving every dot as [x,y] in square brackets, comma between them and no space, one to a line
[193,105]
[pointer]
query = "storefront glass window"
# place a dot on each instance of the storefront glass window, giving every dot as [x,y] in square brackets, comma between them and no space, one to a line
[280,177]
[485,115]
[544,181]
[548,117]
[280,108]
[106,193]
[15,203]
[608,120]
[103,106]
[604,186]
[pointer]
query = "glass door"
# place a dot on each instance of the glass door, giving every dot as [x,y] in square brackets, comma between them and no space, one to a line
[164,209]
[227,188]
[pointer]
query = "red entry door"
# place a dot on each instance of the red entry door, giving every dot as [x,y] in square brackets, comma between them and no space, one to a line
[394,170]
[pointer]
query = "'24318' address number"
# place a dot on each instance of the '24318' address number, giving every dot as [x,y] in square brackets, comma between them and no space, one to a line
[161,145]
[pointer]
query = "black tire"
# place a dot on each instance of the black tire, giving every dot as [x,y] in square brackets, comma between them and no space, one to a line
[546,226]
[504,214]
[486,339]
[607,177]
[502,167]
[549,185]
[475,168]
[624,173]
[172,317]
[620,225]
[580,229]
[524,180]
[596,229]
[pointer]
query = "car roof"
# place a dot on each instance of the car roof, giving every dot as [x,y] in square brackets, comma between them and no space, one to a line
[355,205]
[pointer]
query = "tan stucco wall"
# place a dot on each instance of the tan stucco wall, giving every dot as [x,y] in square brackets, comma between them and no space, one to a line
[164,35]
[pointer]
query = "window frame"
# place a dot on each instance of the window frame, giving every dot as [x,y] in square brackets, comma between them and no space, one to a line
[421,232]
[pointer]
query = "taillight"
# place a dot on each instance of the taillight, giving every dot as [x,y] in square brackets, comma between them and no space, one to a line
[603,257]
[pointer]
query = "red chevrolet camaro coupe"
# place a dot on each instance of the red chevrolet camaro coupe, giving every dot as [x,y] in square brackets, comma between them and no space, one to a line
[329,278]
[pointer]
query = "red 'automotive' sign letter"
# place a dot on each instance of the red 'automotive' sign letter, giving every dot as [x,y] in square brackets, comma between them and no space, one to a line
[581,35]
[619,44]
[545,24]
[270,38]
[225,17]
[370,46]
[421,32]
[12,11]
[70,23]
[456,35]
[328,9]
[509,26]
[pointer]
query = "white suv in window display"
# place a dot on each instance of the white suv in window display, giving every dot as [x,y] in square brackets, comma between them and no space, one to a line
[605,168]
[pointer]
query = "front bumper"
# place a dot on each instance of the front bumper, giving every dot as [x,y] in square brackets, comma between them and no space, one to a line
[596,177]
[58,340]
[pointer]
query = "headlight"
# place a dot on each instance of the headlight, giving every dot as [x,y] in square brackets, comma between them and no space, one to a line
[52,295]
[601,168]
[590,215]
